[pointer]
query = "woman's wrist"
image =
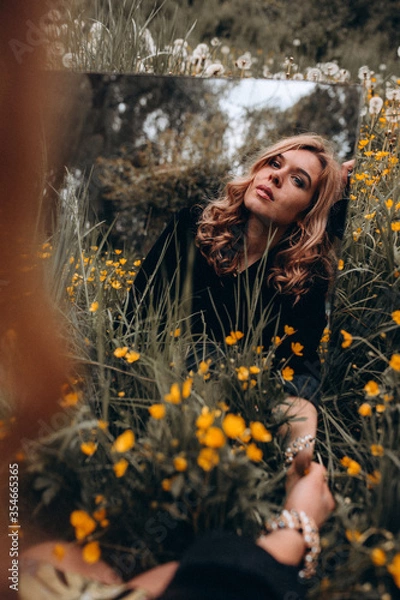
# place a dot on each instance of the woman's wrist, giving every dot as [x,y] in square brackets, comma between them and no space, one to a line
[299,521]
[287,546]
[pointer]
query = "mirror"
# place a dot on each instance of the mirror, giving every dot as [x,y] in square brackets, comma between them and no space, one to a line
[141,148]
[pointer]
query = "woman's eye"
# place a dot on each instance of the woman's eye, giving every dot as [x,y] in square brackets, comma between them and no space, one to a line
[298,182]
[275,164]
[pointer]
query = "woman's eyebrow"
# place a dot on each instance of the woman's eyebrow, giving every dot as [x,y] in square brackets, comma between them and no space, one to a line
[298,169]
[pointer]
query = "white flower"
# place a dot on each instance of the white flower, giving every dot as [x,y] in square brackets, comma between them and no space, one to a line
[296,42]
[393,94]
[382,67]
[279,75]
[266,71]
[392,115]
[200,53]
[343,75]
[330,69]
[225,50]
[180,48]
[298,76]
[215,42]
[364,73]
[313,74]
[375,105]
[214,70]
[148,42]
[68,60]
[96,31]
[244,62]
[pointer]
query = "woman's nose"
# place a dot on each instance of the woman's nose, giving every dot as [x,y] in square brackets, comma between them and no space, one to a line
[275,178]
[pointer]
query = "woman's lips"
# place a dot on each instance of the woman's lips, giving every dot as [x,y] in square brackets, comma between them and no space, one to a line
[265,192]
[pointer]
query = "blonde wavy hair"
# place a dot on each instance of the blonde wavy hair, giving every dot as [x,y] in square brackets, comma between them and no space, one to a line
[305,250]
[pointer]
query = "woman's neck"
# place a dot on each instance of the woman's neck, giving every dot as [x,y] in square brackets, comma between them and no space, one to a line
[260,237]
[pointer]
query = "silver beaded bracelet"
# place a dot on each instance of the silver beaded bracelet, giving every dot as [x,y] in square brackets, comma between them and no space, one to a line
[299,521]
[296,446]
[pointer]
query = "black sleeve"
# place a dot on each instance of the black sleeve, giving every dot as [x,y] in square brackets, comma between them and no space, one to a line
[159,271]
[224,566]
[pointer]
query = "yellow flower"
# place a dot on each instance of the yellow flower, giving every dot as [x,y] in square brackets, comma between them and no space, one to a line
[174,395]
[137,263]
[377,450]
[353,535]
[340,264]
[380,408]
[120,352]
[176,333]
[353,467]
[276,340]
[287,373]
[206,419]
[394,569]
[100,514]
[395,362]
[389,203]
[69,399]
[208,459]
[180,464]
[120,467]
[371,389]
[233,426]
[395,226]
[157,411]
[214,438]
[242,373]
[124,442]
[59,551]
[102,424]
[259,432]
[325,336]
[254,453]
[88,448]
[347,338]
[378,557]
[132,356]
[204,366]
[94,306]
[83,523]
[166,485]
[374,478]
[365,410]
[297,348]
[396,316]
[289,330]
[187,387]
[254,370]
[234,337]
[91,552]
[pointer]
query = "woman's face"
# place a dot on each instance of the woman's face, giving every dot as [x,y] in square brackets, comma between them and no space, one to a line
[283,189]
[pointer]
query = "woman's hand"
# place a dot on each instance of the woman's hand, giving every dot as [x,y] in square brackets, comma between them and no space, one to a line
[304,424]
[311,494]
[347,168]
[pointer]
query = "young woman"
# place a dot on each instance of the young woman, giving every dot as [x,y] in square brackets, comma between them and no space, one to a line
[258,260]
